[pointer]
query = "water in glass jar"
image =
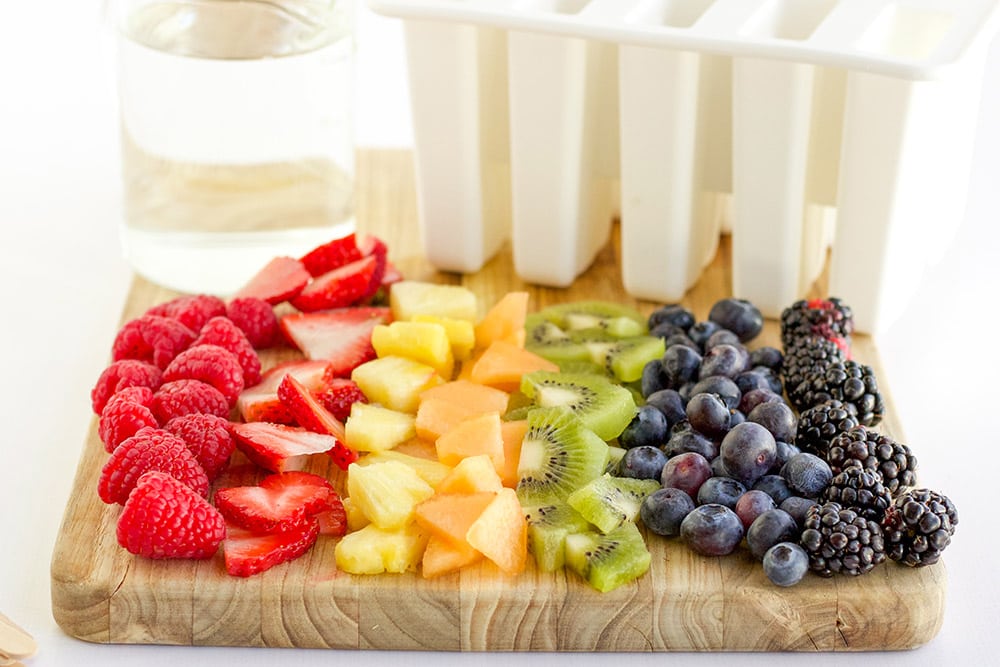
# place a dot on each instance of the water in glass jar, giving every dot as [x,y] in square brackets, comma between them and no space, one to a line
[237,136]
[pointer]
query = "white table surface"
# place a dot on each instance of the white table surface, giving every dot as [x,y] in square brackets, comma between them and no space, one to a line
[64,284]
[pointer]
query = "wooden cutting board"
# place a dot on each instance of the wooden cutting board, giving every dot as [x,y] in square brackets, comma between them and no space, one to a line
[101,593]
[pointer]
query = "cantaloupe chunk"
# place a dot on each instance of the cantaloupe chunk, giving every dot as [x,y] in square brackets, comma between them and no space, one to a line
[442,556]
[502,364]
[512,433]
[471,475]
[501,532]
[480,434]
[504,321]
[443,406]
[450,515]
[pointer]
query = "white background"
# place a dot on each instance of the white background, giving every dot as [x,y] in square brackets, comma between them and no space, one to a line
[63,284]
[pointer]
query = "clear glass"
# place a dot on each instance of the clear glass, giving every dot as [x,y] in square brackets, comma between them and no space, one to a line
[237,134]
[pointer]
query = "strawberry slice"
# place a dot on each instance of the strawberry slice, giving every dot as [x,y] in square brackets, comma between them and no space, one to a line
[342,336]
[338,394]
[277,447]
[246,553]
[281,502]
[331,255]
[343,286]
[311,415]
[281,279]
[333,521]
[260,402]
[372,246]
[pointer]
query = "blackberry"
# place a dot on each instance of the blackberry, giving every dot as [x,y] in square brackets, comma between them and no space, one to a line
[807,355]
[828,318]
[846,381]
[859,489]
[918,526]
[821,423]
[840,540]
[893,460]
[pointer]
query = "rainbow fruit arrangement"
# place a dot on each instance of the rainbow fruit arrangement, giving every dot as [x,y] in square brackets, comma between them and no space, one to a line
[567,436]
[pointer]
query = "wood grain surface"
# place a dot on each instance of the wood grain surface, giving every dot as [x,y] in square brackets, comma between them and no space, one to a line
[101,593]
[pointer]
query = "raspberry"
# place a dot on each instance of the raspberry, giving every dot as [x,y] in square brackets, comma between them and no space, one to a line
[125,413]
[207,436]
[338,394]
[192,310]
[256,318]
[211,364]
[183,397]
[222,332]
[149,449]
[163,518]
[151,338]
[120,375]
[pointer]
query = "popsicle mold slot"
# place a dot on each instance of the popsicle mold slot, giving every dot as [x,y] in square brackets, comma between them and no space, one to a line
[811,130]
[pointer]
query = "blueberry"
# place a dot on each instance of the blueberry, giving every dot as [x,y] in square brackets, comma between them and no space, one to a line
[747,381]
[736,417]
[712,530]
[785,450]
[663,510]
[755,397]
[739,316]
[670,403]
[643,462]
[672,313]
[720,490]
[680,365]
[751,505]
[721,385]
[684,340]
[653,378]
[722,337]
[649,426]
[770,357]
[807,474]
[797,507]
[701,332]
[726,360]
[665,330]
[777,417]
[748,451]
[708,414]
[686,472]
[770,528]
[774,486]
[689,440]
[785,564]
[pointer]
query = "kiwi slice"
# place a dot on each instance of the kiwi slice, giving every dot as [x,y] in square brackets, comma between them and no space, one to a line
[548,526]
[608,501]
[615,455]
[607,561]
[558,456]
[625,358]
[603,406]
[549,341]
[617,320]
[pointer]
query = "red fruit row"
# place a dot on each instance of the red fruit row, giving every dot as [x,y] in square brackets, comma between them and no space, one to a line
[177,372]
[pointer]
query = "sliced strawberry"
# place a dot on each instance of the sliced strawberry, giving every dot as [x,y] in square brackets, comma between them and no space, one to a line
[163,518]
[311,415]
[372,246]
[281,279]
[281,502]
[277,447]
[343,286]
[342,336]
[331,255]
[392,275]
[333,521]
[247,553]
[338,395]
[260,402]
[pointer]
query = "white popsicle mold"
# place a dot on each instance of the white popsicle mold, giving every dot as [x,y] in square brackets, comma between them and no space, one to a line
[807,129]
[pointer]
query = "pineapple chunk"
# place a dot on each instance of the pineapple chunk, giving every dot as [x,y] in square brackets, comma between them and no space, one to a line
[395,382]
[461,334]
[372,428]
[356,520]
[409,298]
[431,471]
[373,550]
[386,492]
[425,342]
